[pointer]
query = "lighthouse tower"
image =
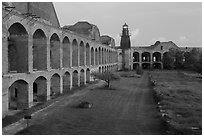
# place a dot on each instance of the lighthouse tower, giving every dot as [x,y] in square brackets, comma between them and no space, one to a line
[125,46]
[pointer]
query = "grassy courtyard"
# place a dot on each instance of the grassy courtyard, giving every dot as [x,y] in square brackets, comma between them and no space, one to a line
[179,97]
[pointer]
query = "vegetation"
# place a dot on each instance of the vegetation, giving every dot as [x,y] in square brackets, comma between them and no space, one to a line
[179,99]
[139,71]
[106,76]
[176,59]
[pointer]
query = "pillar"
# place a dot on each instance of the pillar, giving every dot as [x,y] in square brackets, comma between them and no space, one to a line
[61,55]
[30,95]
[30,53]
[61,84]
[48,88]
[48,54]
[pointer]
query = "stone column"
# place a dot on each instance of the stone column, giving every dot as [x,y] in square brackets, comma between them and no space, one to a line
[30,95]
[78,63]
[30,53]
[61,55]
[84,54]
[71,80]
[48,54]
[61,84]
[48,88]
[70,55]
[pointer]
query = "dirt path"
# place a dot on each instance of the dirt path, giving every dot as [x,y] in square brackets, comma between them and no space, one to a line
[129,110]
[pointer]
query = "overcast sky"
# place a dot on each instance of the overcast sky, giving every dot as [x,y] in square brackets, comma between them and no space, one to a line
[148,22]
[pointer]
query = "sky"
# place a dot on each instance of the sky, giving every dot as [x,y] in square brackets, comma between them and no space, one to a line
[180,22]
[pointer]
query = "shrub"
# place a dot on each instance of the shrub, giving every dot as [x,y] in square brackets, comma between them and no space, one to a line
[139,71]
[106,76]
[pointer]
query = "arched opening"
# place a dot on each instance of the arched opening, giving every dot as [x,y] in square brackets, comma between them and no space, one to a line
[82,78]
[99,50]
[145,65]
[136,57]
[87,75]
[99,70]
[96,56]
[102,52]
[109,56]
[55,51]
[39,50]
[146,57]
[40,89]
[102,69]
[75,53]
[156,56]
[55,85]
[75,79]
[66,82]
[136,66]
[18,95]
[17,49]
[66,52]
[166,57]
[92,56]
[156,65]
[87,54]
[82,53]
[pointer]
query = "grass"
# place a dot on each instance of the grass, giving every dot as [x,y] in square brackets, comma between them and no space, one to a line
[19,115]
[180,95]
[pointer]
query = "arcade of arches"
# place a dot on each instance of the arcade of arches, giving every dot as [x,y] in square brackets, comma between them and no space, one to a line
[41,62]
[147,60]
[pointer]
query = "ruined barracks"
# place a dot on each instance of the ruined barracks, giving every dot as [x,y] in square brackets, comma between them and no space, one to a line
[41,60]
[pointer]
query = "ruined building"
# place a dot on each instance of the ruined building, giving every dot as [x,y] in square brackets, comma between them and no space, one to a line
[146,57]
[40,59]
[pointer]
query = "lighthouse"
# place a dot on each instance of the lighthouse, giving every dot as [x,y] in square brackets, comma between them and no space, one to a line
[125,46]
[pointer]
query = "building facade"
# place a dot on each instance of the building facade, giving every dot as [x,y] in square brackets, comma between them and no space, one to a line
[41,60]
[145,57]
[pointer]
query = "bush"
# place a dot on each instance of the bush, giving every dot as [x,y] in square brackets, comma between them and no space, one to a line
[106,76]
[139,71]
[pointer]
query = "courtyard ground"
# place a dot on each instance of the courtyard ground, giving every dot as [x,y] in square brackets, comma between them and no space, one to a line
[179,95]
[126,109]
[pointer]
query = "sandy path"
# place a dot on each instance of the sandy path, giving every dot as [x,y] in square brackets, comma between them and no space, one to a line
[127,110]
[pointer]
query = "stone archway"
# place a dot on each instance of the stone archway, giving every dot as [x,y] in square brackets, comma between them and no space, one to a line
[40,89]
[82,53]
[75,79]
[75,54]
[88,75]
[18,95]
[39,50]
[17,49]
[66,82]
[66,52]
[55,85]
[55,51]
[82,77]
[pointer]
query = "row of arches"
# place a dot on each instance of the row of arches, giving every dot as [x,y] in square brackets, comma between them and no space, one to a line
[46,87]
[156,65]
[147,57]
[18,92]
[44,50]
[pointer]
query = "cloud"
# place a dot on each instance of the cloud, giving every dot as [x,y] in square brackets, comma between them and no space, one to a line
[134,34]
[117,39]
[183,39]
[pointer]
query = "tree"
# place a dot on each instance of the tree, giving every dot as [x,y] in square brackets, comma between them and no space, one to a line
[179,59]
[106,76]
[168,61]
[193,60]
